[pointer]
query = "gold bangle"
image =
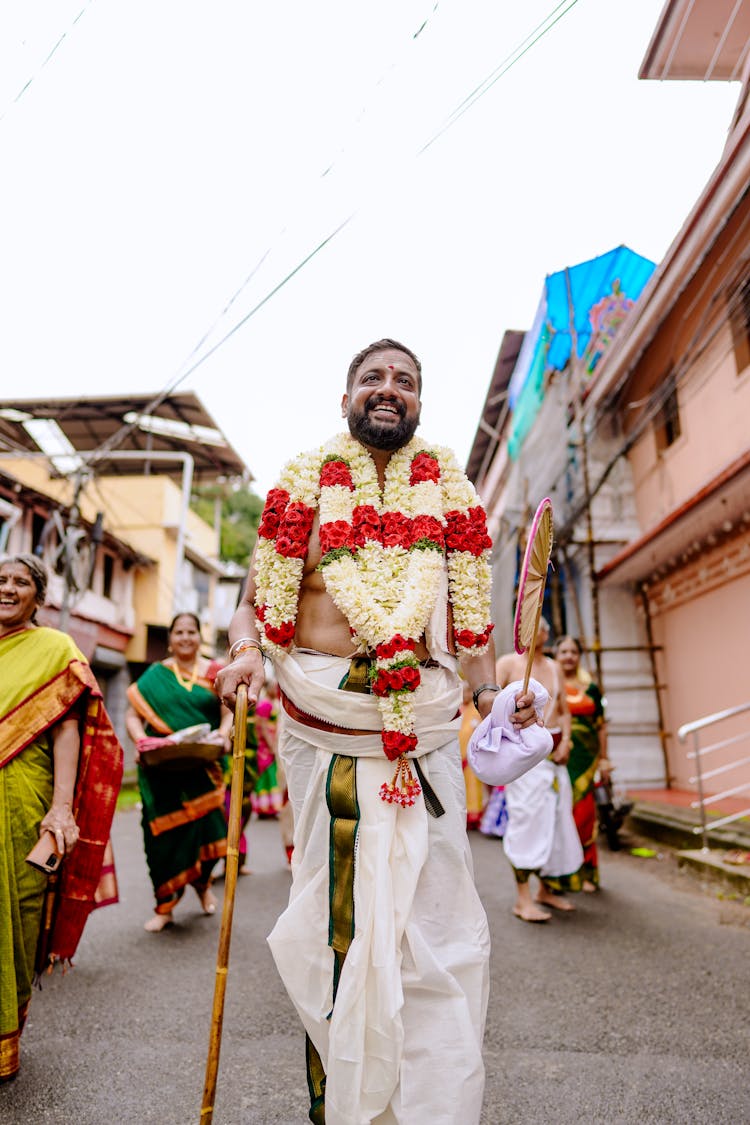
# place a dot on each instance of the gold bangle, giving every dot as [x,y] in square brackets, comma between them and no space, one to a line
[244,644]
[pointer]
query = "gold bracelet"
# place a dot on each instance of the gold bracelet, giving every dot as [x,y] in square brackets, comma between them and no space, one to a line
[244,644]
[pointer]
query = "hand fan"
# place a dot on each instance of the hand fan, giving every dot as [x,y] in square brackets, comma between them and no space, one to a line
[531,585]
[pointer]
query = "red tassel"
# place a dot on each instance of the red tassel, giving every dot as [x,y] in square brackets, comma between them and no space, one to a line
[403,789]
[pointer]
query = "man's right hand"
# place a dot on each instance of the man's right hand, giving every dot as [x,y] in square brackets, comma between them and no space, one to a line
[246,669]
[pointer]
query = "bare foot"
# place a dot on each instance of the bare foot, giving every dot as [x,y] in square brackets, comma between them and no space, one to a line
[589,887]
[531,913]
[558,902]
[157,923]
[208,901]
[245,870]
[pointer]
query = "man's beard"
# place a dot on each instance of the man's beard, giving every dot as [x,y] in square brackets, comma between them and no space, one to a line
[379,435]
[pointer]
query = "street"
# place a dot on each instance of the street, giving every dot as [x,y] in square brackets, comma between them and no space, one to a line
[633,1009]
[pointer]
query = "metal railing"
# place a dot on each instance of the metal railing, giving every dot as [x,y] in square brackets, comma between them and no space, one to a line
[701,776]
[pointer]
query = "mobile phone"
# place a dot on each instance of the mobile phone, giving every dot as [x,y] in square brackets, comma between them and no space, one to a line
[45,855]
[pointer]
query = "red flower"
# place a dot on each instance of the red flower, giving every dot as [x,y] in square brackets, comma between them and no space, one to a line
[387,680]
[380,685]
[395,743]
[427,527]
[273,510]
[365,524]
[282,634]
[424,467]
[336,472]
[468,639]
[269,525]
[337,533]
[260,612]
[298,516]
[410,677]
[396,530]
[456,525]
[290,548]
[467,532]
[294,531]
[388,649]
[276,500]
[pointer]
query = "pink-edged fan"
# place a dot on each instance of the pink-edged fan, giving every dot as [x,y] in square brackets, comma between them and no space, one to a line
[531,585]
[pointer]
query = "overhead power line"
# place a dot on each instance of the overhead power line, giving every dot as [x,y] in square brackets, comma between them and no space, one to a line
[119,436]
[464,106]
[501,69]
[44,63]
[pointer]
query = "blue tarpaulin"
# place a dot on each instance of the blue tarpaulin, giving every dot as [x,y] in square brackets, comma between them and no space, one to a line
[601,292]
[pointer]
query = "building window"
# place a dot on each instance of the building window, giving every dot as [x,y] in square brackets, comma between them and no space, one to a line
[739,318]
[38,527]
[667,421]
[108,572]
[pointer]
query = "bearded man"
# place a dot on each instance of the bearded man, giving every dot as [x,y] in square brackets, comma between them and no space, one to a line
[370,589]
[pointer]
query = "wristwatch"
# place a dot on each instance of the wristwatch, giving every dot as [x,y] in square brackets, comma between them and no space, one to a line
[482,688]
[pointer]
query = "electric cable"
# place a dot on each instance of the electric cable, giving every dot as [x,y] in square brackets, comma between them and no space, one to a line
[530,40]
[508,62]
[35,75]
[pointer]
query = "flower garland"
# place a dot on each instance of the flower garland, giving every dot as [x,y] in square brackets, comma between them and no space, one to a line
[382,563]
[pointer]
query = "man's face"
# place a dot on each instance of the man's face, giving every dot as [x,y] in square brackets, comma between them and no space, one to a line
[382,406]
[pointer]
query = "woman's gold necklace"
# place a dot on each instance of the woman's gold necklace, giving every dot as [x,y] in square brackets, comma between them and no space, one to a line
[187,681]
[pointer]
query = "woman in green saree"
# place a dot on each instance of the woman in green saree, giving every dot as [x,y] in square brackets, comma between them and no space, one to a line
[184,827]
[60,770]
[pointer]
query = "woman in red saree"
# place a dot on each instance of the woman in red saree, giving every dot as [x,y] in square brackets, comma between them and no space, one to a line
[588,751]
[60,770]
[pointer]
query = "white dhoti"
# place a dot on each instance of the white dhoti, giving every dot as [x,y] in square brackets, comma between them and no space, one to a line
[396,1012]
[541,834]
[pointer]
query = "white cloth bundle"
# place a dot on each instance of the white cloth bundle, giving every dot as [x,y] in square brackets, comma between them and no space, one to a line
[498,752]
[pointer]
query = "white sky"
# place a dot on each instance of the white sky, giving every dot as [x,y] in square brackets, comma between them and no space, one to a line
[167,145]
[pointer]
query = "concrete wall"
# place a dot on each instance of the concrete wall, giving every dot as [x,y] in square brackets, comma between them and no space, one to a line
[700,616]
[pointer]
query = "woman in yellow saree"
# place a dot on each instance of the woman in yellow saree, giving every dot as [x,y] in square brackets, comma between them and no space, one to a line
[60,770]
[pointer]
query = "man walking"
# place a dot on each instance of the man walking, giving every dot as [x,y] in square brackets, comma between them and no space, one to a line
[369,588]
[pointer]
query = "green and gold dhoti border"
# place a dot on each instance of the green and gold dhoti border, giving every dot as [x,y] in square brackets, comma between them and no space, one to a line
[41,921]
[341,799]
[183,819]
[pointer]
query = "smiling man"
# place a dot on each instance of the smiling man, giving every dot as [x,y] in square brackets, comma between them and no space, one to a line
[369,589]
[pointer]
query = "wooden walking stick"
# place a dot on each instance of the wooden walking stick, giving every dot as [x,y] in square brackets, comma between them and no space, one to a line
[231,865]
[531,585]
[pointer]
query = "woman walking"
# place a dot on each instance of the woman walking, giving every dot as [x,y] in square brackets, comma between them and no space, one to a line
[184,826]
[60,772]
[588,750]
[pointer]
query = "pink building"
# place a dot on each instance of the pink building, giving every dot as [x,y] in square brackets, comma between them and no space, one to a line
[676,387]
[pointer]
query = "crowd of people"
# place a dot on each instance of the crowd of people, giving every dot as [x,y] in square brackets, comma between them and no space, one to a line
[370,580]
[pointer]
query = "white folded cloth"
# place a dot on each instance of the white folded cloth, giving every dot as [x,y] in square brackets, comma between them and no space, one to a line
[498,752]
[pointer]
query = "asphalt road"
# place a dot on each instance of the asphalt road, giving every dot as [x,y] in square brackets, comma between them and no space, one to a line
[632,1010]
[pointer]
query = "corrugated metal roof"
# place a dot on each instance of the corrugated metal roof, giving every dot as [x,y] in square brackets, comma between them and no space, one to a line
[179,423]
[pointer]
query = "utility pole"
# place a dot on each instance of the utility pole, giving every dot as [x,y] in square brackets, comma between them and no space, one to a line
[577,383]
[70,548]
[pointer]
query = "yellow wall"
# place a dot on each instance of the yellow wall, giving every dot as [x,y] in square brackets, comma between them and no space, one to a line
[145,513]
